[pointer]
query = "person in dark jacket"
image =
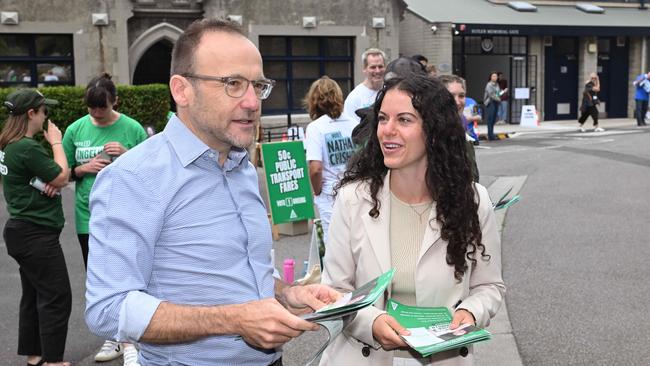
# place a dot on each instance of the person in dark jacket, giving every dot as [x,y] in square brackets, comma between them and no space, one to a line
[590,103]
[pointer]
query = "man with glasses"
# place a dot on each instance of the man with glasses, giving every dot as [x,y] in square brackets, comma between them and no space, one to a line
[180,222]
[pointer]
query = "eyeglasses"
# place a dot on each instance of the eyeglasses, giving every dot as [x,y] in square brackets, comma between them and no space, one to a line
[236,86]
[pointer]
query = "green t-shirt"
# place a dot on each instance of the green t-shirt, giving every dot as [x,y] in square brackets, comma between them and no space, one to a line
[82,141]
[21,161]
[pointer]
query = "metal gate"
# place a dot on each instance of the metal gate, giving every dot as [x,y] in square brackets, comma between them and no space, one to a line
[523,71]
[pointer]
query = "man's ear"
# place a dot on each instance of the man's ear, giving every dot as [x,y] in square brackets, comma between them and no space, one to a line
[181,90]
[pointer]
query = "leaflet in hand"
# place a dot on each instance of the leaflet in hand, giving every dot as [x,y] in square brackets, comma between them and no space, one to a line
[351,302]
[429,328]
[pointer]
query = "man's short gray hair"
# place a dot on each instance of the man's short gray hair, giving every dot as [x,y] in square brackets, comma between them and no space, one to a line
[372,51]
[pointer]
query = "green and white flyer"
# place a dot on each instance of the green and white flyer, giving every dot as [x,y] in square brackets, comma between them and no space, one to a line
[356,300]
[429,328]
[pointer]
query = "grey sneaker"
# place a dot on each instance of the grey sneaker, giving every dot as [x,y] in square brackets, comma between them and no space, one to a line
[110,350]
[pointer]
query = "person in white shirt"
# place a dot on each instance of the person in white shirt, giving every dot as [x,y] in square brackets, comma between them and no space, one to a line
[364,94]
[328,143]
[50,76]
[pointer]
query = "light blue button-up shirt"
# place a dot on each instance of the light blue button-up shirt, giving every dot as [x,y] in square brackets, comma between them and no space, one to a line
[169,224]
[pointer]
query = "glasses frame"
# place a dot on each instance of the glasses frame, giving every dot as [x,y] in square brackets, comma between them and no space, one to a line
[262,95]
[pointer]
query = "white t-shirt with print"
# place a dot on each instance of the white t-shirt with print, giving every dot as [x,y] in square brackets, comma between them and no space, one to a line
[330,142]
[360,97]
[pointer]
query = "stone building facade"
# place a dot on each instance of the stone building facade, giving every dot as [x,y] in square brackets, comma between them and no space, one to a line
[300,40]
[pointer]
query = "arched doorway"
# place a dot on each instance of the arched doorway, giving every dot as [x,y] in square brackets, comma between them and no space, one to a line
[153,66]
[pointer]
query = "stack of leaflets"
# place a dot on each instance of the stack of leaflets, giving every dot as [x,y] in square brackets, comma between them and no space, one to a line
[354,301]
[429,328]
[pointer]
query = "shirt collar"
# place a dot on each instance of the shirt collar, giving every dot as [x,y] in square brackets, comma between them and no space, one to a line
[188,147]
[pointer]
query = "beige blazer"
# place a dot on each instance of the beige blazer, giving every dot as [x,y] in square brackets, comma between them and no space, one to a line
[358,250]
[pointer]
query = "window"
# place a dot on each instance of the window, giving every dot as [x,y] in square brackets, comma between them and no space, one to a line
[295,62]
[36,60]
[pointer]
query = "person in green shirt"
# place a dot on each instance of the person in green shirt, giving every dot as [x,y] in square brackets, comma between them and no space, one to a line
[91,143]
[34,226]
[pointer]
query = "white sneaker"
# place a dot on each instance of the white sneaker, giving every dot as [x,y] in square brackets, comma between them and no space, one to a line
[110,350]
[598,129]
[582,129]
[131,356]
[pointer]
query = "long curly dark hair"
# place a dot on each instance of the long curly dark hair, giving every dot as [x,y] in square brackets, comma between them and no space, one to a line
[448,176]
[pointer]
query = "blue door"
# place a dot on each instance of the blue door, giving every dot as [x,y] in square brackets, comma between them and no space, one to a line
[613,73]
[561,79]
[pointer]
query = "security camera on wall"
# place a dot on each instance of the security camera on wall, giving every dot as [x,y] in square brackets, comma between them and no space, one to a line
[237,19]
[434,28]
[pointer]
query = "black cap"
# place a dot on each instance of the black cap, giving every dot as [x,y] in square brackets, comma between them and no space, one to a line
[22,100]
[403,67]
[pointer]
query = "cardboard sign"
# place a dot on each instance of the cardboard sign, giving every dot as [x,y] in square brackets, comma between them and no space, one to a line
[528,116]
[287,179]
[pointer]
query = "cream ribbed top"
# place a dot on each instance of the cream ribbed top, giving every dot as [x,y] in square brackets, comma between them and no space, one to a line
[407,226]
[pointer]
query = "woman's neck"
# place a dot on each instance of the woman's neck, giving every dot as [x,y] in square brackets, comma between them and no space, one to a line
[409,185]
[114,116]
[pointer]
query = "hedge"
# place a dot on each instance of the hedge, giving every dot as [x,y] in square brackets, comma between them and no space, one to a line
[148,104]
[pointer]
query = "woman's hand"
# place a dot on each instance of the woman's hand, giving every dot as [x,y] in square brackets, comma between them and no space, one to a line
[51,190]
[94,165]
[462,316]
[53,134]
[386,330]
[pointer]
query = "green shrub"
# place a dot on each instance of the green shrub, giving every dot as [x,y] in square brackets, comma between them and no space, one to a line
[147,104]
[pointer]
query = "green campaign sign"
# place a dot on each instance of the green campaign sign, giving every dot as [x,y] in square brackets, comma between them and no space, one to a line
[287,179]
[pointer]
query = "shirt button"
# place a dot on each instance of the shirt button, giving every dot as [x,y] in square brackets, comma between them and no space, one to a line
[463,351]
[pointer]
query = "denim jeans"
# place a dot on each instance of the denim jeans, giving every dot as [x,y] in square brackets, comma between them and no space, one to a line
[491,116]
[503,111]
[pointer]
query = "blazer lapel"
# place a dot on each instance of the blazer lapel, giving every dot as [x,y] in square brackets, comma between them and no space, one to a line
[431,233]
[377,229]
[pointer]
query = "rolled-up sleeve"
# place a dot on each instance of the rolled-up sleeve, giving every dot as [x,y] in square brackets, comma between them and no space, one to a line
[125,223]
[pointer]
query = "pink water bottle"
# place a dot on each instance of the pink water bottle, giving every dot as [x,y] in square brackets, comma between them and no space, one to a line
[289,265]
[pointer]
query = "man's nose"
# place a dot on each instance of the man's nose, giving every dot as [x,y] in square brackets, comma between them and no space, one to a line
[250,100]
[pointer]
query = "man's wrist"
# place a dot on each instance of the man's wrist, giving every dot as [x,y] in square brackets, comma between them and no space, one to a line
[280,293]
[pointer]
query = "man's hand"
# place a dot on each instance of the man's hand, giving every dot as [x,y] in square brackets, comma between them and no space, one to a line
[308,298]
[462,316]
[267,324]
[114,148]
[386,330]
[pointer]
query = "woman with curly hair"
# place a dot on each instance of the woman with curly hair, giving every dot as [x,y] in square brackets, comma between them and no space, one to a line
[409,202]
